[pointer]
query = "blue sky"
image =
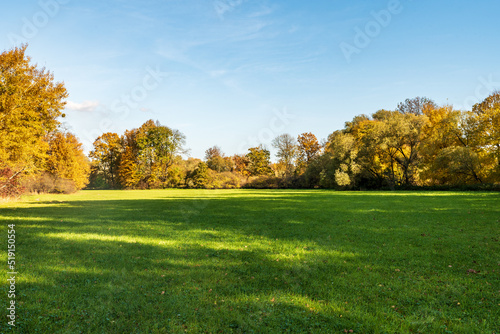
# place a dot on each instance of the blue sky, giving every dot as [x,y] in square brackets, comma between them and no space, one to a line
[236,73]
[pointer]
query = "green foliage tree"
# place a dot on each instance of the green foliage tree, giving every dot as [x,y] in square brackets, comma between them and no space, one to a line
[216,160]
[158,147]
[199,177]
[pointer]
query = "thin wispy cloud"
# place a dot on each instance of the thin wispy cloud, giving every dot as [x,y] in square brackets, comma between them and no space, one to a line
[281,53]
[86,106]
[265,11]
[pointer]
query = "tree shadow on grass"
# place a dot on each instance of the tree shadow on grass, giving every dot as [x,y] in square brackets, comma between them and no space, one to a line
[175,264]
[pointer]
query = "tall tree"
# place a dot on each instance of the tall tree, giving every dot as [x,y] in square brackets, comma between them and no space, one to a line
[287,150]
[158,146]
[128,168]
[216,160]
[106,157]
[488,126]
[66,159]
[30,103]
[308,149]
[343,150]
[416,106]
[489,103]
[199,176]
[241,164]
[259,161]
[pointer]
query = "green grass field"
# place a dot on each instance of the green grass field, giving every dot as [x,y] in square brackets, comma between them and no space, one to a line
[255,261]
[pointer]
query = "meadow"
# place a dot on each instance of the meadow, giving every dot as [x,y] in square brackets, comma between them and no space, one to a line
[255,261]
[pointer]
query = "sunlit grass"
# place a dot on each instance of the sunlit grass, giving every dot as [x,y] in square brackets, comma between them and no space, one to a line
[248,261]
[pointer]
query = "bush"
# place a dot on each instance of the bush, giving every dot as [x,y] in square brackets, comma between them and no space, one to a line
[264,182]
[49,183]
[9,183]
[64,186]
[227,180]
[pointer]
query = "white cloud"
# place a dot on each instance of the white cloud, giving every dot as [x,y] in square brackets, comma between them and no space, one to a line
[84,106]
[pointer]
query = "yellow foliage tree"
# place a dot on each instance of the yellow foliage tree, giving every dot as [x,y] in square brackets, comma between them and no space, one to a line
[30,103]
[66,159]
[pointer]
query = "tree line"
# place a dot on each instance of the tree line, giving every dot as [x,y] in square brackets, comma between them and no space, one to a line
[418,144]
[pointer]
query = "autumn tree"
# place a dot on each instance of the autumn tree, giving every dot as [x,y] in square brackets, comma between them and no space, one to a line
[199,177]
[457,147]
[488,126]
[490,103]
[65,159]
[416,106]
[128,167]
[30,104]
[105,157]
[158,145]
[390,144]
[241,163]
[308,149]
[259,161]
[442,131]
[401,134]
[216,160]
[287,150]
[458,165]
[343,150]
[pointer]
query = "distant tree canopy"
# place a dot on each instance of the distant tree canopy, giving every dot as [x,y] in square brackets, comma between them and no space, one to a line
[418,144]
[143,157]
[416,105]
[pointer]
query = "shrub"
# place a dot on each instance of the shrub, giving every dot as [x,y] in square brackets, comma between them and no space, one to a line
[49,183]
[9,183]
[227,180]
[263,182]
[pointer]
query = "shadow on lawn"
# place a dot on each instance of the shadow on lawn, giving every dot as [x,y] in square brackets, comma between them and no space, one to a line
[181,262]
[96,284]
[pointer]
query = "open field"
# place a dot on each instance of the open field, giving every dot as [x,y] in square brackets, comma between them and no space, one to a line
[255,261]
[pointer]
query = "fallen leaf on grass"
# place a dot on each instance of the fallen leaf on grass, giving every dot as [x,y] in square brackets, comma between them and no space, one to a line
[472,271]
